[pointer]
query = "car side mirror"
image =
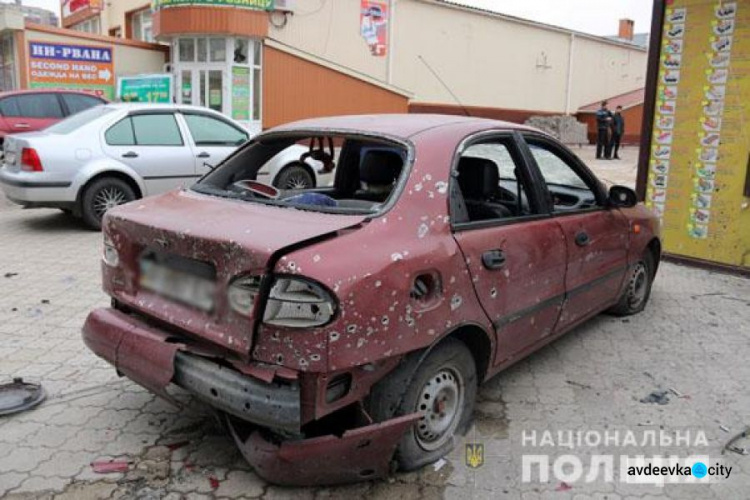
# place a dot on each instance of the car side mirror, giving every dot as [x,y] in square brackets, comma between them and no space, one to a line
[622,197]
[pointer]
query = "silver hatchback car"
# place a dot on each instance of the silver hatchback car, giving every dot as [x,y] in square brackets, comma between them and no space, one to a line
[112,154]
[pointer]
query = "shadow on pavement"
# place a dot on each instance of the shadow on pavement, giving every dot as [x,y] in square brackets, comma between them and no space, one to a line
[52,221]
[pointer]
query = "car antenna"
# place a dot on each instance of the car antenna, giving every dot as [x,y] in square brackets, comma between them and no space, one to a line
[455,97]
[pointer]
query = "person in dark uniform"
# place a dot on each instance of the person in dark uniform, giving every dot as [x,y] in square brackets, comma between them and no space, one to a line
[603,120]
[618,129]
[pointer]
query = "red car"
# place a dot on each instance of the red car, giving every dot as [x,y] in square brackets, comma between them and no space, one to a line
[32,110]
[341,329]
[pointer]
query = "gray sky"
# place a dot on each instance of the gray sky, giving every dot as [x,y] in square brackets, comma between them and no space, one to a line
[599,17]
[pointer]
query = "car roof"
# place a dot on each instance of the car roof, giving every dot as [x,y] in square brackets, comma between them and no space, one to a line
[48,91]
[140,106]
[400,125]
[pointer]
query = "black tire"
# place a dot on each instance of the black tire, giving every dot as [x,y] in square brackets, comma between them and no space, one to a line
[407,390]
[294,176]
[100,196]
[637,288]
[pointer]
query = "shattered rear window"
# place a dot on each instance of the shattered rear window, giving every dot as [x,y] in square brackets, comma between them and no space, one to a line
[326,173]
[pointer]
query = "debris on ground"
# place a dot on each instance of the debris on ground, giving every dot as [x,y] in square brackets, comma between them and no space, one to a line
[45,301]
[578,384]
[724,428]
[110,466]
[11,275]
[439,464]
[731,446]
[18,396]
[563,486]
[214,482]
[658,397]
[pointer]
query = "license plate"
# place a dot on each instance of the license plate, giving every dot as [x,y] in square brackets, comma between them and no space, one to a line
[178,285]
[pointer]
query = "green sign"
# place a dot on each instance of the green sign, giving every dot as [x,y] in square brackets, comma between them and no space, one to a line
[241,93]
[145,88]
[245,4]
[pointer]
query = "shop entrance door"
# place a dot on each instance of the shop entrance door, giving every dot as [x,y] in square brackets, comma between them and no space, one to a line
[203,85]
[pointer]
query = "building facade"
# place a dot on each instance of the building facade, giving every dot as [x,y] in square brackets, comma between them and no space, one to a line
[32,14]
[269,61]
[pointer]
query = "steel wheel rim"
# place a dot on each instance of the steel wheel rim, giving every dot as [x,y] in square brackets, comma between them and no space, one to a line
[297,181]
[638,286]
[440,402]
[107,198]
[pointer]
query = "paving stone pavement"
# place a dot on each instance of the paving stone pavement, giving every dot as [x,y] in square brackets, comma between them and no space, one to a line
[693,338]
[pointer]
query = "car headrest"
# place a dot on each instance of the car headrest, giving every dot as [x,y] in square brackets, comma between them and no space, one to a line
[478,178]
[380,167]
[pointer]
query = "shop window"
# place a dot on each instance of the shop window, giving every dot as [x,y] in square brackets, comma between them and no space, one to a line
[156,130]
[142,22]
[7,63]
[187,49]
[240,51]
[202,50]
[91,25]
[208,131]
[218,49]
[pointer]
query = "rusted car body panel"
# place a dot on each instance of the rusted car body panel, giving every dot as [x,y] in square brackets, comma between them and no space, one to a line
[369,263]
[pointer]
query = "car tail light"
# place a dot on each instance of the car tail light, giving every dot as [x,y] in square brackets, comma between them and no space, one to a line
[30,160]
[298,303]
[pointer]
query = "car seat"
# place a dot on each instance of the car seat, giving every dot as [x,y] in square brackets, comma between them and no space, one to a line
[479,180]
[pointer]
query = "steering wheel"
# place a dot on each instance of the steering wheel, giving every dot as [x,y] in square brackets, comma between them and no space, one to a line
[258,188]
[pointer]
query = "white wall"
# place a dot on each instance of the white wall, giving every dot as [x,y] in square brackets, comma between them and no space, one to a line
[485,60]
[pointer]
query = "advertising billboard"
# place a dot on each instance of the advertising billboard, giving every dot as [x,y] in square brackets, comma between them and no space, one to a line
[699,156]
[87,68]
[145,88]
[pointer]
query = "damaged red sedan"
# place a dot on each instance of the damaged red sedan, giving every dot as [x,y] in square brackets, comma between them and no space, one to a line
[342,330]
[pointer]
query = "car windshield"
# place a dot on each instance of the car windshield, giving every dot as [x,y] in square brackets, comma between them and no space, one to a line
[78,120]
[336,174]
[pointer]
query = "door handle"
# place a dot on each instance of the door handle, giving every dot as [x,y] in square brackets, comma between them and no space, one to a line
[130,154]
[493,259]
[204,155]
[21,125]
[582,239]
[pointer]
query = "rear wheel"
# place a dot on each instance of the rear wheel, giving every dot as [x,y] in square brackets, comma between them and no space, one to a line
[442,388]
[638,287]
[102,195]
[294,177]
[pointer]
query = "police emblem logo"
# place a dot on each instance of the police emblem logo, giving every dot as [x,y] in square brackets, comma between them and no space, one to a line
[474,455]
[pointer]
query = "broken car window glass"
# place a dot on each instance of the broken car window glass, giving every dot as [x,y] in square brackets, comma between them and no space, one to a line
[324,173]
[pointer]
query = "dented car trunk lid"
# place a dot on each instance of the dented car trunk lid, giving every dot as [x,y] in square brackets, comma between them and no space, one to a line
[200,232]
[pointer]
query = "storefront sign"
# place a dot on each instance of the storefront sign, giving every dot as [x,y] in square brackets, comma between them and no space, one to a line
[373,26]
[65,66]
[70,7]
[241,93]
[145,88]
[246,4]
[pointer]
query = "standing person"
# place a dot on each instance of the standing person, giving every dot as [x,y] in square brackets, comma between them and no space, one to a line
[618,129]
[603,119]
